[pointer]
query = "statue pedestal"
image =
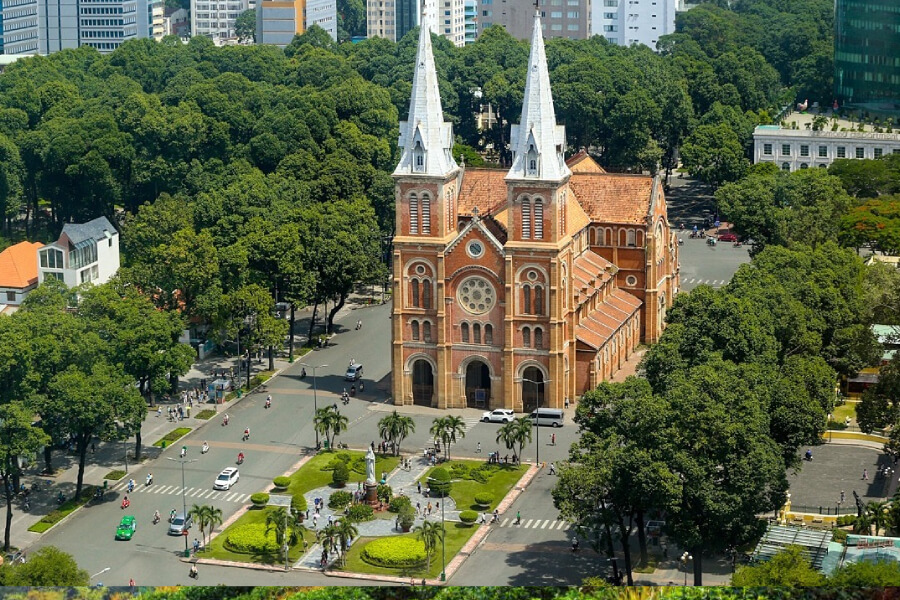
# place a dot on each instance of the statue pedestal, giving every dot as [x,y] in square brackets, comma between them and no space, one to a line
[371,493]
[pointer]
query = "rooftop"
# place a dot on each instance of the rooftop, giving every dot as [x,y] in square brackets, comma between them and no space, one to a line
[98,229]
[19,265]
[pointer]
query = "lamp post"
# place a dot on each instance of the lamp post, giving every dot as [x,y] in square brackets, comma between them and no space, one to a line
[443,533]
[187,552]
[537,443]
[315,398]
[684,561]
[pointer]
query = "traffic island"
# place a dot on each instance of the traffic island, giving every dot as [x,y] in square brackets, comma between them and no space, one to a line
[67,508]
[249,539]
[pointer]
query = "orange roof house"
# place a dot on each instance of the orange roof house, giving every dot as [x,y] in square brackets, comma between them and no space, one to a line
[18,271]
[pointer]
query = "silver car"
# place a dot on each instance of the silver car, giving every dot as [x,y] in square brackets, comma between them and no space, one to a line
[180,524]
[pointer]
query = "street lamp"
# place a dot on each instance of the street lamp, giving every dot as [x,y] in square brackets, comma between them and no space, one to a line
[315,399]
[187,552]
[443,532]
[537,425]
[684,561]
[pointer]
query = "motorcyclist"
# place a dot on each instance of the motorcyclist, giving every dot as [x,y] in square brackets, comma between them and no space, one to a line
[183,451]
[149,478]
[156,517]
[125,502]
[225,419]
[240,458]
[130,485]
[193,573]
[268,400]
[302,373]
[205,447]
[172,515]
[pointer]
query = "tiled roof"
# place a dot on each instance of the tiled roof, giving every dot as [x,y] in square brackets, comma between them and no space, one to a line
[19,265]
[576,218]
[602,323]
[591,267]
[482,188]
[92,230]
[613,198]
[583,163]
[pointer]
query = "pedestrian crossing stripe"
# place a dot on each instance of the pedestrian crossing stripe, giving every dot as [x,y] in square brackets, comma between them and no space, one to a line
[711,282]
[198,493]
[537,524]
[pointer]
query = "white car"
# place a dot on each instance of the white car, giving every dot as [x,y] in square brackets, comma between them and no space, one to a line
[226,479]
[500,415]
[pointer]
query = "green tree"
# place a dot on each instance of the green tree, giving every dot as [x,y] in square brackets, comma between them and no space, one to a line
[345,531]
[396,428]
[429,533]
[18,439]
[447,429]
[288,527]
[878,407]
[245,26]
[713,154]
[46,567]
[515,434]
[787,569]
[865,574]
[330,423]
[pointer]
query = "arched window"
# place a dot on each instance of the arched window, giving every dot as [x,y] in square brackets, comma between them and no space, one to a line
[418,158]
[785,166]
[426,294]
[538,338]
[538,219]
[804,166]
[426,213]
[607,237]
[526,337]
[538,299]
[413,214]
[414,292]
[488,334]
[565,293]
[531,159]
[526,219]
[464,332]
[476,333]
[630,237]
[526,295]
[415,331]
[426,331]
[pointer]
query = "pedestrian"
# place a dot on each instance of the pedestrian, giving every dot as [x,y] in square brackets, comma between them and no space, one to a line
[842,497]
[93,447]
[483,518]
[567,403]
[429,509]
[552,469]
[158,411]
[418,507]
[865,475]
[330,519]
[316,519]
[196,545]
[189,416]
[307,513]
[552,439]
[419,487]
[373,442]
[131,582]
[305,545]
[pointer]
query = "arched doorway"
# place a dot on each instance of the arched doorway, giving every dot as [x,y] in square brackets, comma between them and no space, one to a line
[422,382]
[478,384]
[532,393]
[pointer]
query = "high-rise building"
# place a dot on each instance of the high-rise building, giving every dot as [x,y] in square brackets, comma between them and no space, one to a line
[158,12]
[560,18]
[394,19]
[381,19]
[278,21]
[867,53]
[19,32]
[216,18]
[101,24]
[471,20]
[451,21]
[324,14]
[627,22]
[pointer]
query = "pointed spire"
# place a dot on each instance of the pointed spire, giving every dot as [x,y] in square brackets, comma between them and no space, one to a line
[426,140]
[537,141]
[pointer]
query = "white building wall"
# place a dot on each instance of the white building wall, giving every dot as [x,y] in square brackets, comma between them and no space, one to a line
[216,18]
[380,19]
[20,32]
[627,22]
[324,14]
[793,149]
[107,258]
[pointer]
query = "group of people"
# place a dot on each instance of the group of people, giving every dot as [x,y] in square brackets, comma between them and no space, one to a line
[495,458]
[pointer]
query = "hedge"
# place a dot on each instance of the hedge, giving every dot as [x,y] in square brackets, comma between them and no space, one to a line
[340,475]
[298,503]
[282,482]
[468,516]
[484,499]
[394,552]
[115,475]
[339,500]
[361,512]
[440,487]
[398,502]
[259,499]
[252,539]
[172,436]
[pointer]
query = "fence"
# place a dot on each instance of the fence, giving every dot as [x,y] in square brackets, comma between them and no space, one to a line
[824,510]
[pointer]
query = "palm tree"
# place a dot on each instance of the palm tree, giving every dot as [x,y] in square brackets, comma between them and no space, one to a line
[322,421]
[894,514]
[507,435]
[523,434]
[345,531]
[213,519]
[287,526]
[863,524]
[396,428]
[327,535]
[878,512]
[447,429]
[338,424]
[200,515]
[437,428]
[430,533]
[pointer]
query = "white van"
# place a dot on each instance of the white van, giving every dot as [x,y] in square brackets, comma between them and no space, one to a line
[547,416]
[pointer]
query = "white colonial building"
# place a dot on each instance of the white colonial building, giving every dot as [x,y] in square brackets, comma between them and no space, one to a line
[793,149]
[84,253]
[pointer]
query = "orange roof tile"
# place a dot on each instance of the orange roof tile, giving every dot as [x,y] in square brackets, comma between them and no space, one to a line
[19,265]
[613,198]
[602,323]
[583,163]
[576,218]
[482,188]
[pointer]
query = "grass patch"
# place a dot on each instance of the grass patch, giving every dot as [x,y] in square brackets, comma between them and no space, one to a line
[311,476]
[67,507]
[115,475]
[216,548]
[847,409]
[205,414]
[463,492]
[456,537]
[172,436]
[650,567]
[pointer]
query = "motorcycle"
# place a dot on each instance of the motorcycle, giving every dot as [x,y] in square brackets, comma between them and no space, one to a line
[240,458]
[126,503]
[205,448]
[193,574]
[268,403]
[345,398]
[224,420]
[156,518]
[737,244]
[246,435]
[149,479]
[303,374]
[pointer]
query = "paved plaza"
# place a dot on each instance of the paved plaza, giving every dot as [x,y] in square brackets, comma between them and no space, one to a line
[837,467]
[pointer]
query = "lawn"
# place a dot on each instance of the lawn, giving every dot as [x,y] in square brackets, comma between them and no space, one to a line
[848,409]
[172,436]
[216,548]
[48,521]
[463,491]
[457,536]
[311,476]
[205,414]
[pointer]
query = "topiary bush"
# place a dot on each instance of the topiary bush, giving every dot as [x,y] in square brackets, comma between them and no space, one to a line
[298,503]
[439,482]
[484,499]
[282,482]
[361,512]
[340,475]
[384,493]
[468,516]
[407,516]
[251,539]
[259,499]
[398,502]
[394,552]
[339,500]
[839,535]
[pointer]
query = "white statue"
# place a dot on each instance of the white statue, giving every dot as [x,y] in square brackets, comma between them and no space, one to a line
[370,467]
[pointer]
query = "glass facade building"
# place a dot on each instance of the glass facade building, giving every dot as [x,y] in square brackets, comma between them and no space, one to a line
[867,54]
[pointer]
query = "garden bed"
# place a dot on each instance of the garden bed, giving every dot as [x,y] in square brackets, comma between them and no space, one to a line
[172,436]
[253,517]
[311,475]
[115,475]
[463,490]
[206,414]
[67,507]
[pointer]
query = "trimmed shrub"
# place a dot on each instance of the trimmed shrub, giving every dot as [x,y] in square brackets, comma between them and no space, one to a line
[338,500]
[358,465]
[459,471]
[845,520]
[340,475]
[384,493]
[839,535]
[259,499]
[394,552]
[282,482]
[344,457]
[468,516]
[298,503]
[407,516]
[361,512]
[251,539]
[484,499]
[398,502]
[439,482]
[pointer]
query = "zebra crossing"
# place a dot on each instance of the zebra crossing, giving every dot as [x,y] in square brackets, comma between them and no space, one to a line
[195,493]
[548,524]
[710,282]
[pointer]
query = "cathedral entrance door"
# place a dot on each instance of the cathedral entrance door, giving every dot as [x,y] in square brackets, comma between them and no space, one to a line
[422,383]
[478,385]
[532,393]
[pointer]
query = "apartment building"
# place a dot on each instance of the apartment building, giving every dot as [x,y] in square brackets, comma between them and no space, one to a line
[216,18]
[278,21]
[19,31]
[393,19]
[559,18]
[629,22]
[471,21]
[324,14]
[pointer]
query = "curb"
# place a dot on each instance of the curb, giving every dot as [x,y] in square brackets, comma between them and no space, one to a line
[229,563]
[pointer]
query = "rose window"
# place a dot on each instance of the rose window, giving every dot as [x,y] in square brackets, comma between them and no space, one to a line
[476,295]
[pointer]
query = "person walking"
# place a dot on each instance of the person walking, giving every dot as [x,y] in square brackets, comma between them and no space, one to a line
[419,487]
[552,469]
[552,439]
[865,475]
[478,449]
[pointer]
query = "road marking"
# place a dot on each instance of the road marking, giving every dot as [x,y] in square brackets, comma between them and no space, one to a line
[544,526]
[692,281]
[195,492]
[561,524]
[232,496]
[244,498]
[505,521]
[528,523]
[161,489]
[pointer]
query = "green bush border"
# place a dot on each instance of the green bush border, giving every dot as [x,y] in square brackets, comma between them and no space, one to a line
[259,499]
[468,516]
[172,436]
[115,475]
[68,507]
[281,482]
[206,414]
[412,562]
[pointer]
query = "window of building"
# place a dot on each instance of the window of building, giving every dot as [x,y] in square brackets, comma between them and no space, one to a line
[610,28]
[426,331]
[804,166]
[804,150]
[415,331]
[823,151]
[476,333]
[572,26]
[414,292]
[878,152]
[464,332]
[426,213]
[538,300]
[860,153]
[556,27]
[572,14]
[52,259]
[538,338]
[629,237]
[526,294]
[426,294]
[767,149]
[488,334]
[526,337]
[785,149]
[841,152]
[538,219]
[611,16]
[526,219]
[10,296]
[556,14]
[785,166]
[413,214]
[823,166]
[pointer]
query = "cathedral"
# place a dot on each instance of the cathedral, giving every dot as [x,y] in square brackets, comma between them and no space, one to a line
[520,288]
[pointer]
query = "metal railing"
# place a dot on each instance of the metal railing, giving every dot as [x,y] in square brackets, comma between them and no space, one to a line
[823,510]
